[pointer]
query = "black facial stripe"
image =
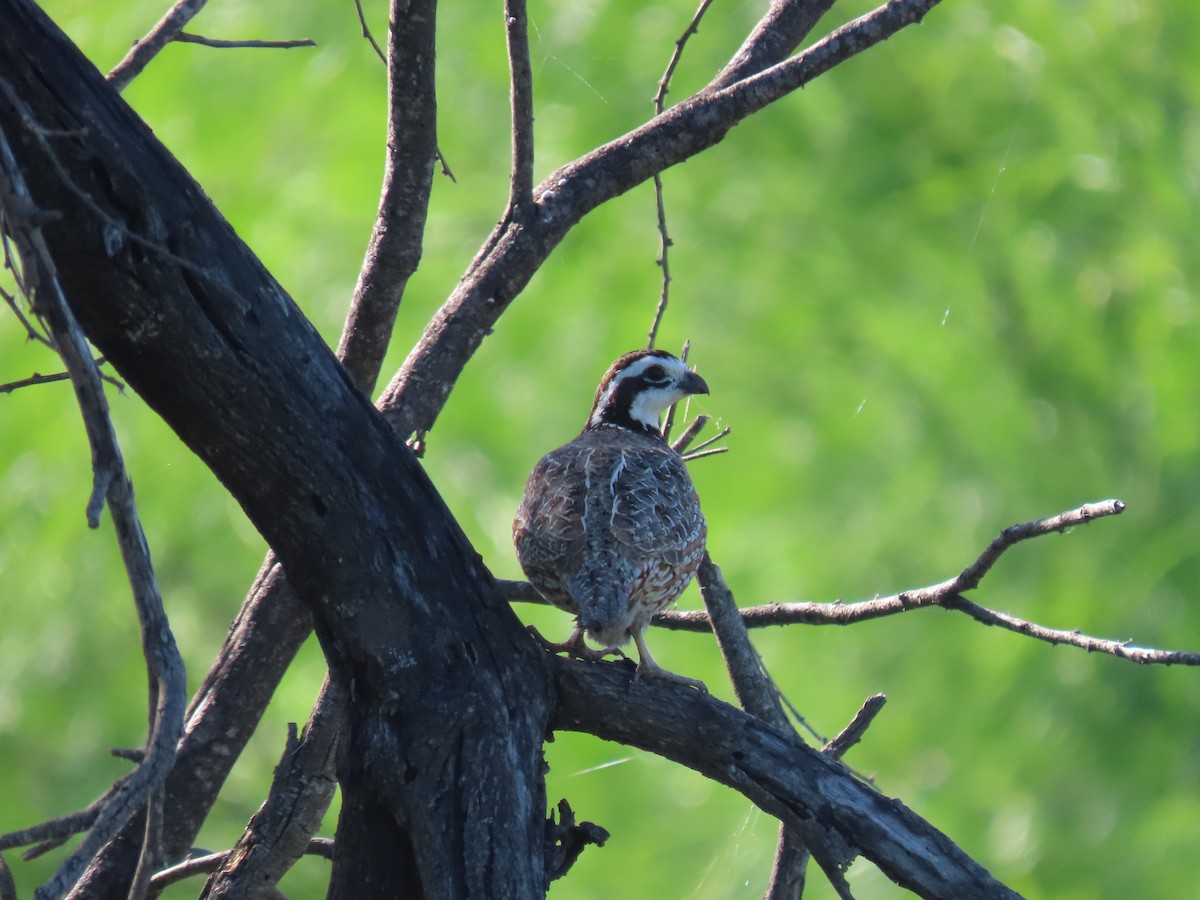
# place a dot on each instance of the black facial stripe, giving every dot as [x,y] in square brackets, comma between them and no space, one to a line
[617,410]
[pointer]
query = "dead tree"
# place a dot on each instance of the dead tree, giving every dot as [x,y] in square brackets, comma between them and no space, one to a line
[438,702]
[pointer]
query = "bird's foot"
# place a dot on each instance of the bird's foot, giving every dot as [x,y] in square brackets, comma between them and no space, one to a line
[658,672]
[648,668]
[574,647]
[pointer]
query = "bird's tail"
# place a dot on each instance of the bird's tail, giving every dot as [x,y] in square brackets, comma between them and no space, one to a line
[603,603]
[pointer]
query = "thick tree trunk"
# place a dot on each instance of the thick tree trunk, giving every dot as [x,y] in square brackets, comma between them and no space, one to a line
[449,699]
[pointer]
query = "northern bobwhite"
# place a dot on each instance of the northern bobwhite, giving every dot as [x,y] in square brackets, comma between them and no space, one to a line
[610,527]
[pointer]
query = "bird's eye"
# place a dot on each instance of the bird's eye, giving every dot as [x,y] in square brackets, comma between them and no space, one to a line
[656,374]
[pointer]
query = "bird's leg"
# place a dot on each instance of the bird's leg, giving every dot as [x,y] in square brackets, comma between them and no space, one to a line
[574,646]
[648,668]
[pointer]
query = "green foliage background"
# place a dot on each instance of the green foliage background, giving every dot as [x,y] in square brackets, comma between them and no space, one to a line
[948,287]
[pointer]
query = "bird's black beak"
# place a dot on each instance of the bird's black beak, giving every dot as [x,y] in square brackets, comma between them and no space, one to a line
[693,384]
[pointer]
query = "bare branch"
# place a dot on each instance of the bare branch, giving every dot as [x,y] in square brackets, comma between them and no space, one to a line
[206,865]
[185,38]
[394,250]
[693,428]
[839,817]
[773,39]
[664,237]
[753,687]
[366,32]
[513,252]
[970,577]
[759,696]
[1121,649]
[151,856]
[32,332]
[197,865]
[664,83]
[34,379]
[281,831]
[168,684]
[144,50]
[663,261]
[699,449]
[58,831]
[225,711]
[853,733]
[945,595]
[516,31]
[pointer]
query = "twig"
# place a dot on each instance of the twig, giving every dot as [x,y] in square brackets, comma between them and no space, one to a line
[366,32]
[185,38]
[723,433]
[664,83]
[663,261]
[31,333]
[516,32]
[664,237]
[701,454]
[693,428]
[198,865]
[56,831]
[209,863]
[669,421]
[970,577]
[853,733]
[144,50]
[111,484]
[35,378]
[151,856]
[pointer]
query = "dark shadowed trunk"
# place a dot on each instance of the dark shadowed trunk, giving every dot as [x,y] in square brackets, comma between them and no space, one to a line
[448,698]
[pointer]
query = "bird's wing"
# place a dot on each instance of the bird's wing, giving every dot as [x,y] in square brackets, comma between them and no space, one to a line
[656,513]
[554,499]
[548,530]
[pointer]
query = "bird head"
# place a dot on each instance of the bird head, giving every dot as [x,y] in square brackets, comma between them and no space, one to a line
[637,388]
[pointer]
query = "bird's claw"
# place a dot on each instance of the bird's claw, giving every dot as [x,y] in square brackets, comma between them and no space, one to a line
[657,672]
[575,648]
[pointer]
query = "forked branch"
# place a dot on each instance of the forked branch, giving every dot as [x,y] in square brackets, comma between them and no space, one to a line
[839,817]
[947,595]
[515,251]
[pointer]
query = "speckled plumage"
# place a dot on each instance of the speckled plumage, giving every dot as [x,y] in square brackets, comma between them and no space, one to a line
[610,526]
